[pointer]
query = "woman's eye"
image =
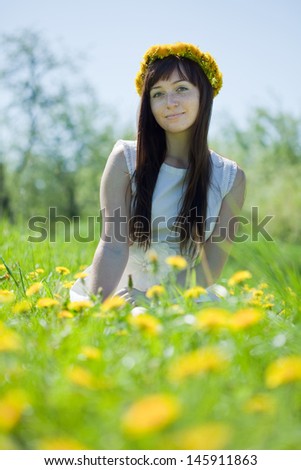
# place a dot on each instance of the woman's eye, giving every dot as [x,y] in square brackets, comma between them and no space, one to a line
[157,94]
[182,88]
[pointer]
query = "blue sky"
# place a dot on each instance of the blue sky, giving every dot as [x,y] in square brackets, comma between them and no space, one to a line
[256,44]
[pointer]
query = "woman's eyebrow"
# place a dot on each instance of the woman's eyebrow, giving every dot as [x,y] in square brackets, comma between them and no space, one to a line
[173,83]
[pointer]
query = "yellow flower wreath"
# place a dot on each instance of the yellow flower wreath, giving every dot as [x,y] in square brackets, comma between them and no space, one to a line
[181,49]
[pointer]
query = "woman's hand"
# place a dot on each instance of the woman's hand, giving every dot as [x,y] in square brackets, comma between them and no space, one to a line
[131,295]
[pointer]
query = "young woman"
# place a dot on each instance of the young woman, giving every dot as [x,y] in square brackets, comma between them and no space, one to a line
[166,193]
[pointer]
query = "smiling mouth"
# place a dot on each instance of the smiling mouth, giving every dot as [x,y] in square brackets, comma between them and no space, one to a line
[173,116]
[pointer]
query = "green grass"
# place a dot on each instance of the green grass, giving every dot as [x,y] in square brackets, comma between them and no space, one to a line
[43,403]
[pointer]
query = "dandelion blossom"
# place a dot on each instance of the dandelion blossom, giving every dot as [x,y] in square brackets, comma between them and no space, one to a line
[62,270]
[194,292]
[283,370]
[155,291]
[46,302]
[6,296]
[79,305]
[239,277]
[177,262]
[34,289]
[207,359]
[150,414]
[146,323]
[208,436]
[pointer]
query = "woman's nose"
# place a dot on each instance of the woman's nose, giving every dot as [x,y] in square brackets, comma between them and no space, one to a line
[171,99]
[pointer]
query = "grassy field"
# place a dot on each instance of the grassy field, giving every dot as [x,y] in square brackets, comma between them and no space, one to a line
[180,375]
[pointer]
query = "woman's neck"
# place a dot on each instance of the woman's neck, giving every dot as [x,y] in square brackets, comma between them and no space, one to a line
[177,150]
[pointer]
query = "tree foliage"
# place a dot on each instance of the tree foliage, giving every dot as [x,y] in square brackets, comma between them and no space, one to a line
[54,129]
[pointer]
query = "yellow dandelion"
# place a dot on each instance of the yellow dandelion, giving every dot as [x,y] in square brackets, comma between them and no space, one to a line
[62,270]
[194,292]
[283,370]
[212,318]
[245,318]
[34,289]
[83,267]
[79,305]
[65,314]
[207,436]
[68,284]
[32,275]
[9,340]
[260,403]
[90,352]
[40,271]
[82,377]
[60,443]
[2,267]
[22,306]
[153,256]
[46,302]
[80,275]
[239,277]
[12,406]
[146,323]
[6,296]
[150,414]
[177,262]
[176,309]
[207,359]
[113,303]
[155,292]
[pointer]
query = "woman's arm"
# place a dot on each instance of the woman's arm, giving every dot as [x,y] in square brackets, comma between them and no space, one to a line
[216,249]
[112,253]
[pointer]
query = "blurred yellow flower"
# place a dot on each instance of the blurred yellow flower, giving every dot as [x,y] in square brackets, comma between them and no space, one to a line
[155,291]
[207,436]
[46,302]
[22,306]
[112,303]
[82,377]
[146,323]
[80,275]
[9,340]
[79,305]
[150,414]
[2,267]
[34,288]
[65,314]
[177,262]
[245,318]
[212,318]
[68,284]
[238,277]
[6,296]
[194,292]
[12,405]
[260,403]
[60,443]
[40,270]
[90,352]
[152,256]
[62,270]
[207,359]
[283,370]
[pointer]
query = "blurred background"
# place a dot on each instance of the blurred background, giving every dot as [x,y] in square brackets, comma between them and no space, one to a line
[67,94]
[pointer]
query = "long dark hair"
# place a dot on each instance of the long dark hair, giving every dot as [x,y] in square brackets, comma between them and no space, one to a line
[151,152]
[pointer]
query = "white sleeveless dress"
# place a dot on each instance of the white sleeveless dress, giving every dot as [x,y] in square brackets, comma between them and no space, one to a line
[165,208]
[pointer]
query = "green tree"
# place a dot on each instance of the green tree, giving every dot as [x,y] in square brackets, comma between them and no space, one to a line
[53,123]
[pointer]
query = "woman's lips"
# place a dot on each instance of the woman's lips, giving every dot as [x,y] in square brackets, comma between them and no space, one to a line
[174,116]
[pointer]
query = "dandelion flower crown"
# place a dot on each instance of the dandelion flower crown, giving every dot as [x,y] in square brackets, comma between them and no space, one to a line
[181,49]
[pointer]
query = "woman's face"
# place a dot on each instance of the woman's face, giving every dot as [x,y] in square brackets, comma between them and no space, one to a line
[175,103]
